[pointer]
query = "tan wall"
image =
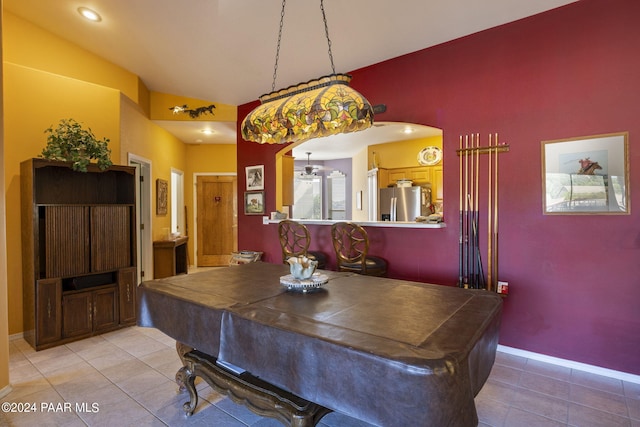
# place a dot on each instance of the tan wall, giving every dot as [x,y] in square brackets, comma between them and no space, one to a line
[401,154]
[33,47]
[143,138]
[35,101]
[4,328]
[47,79]
[207,157]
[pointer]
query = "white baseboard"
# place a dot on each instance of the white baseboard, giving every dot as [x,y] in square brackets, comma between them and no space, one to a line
[571,364]
[5,390]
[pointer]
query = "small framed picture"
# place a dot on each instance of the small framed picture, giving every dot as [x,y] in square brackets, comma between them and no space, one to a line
[586,175]
[162,195]
[255,177]
[254,203]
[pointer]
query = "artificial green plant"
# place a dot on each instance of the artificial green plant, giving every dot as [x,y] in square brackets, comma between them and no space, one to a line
[69,142]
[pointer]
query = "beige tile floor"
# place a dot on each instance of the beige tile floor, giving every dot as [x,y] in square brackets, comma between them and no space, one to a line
[126,378]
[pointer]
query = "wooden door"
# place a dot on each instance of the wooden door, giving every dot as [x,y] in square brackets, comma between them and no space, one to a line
[217,220]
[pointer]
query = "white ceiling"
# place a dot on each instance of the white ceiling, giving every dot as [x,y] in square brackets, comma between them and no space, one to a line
[224,50]
[352,143]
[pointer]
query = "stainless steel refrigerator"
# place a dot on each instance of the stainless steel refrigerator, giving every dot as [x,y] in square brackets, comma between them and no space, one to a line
[404,203]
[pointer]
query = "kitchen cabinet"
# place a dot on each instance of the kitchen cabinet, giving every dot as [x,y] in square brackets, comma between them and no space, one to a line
[436,184]
[78,235]
[418,175]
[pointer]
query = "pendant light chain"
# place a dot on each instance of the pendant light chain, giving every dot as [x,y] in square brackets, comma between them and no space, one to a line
[326,31]
[313,109]
[275,68]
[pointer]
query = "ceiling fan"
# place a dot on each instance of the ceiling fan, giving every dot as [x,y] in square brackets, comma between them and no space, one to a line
[309,170]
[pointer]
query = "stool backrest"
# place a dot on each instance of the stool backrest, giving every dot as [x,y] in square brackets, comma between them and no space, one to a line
[350,242]
[294,239]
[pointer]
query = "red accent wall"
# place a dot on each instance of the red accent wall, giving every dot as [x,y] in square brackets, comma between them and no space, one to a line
[573,71]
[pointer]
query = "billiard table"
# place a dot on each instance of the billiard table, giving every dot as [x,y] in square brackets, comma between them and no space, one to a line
[388,352]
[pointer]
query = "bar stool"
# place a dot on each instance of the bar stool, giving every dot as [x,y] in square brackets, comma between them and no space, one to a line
[295,240]
[351,244]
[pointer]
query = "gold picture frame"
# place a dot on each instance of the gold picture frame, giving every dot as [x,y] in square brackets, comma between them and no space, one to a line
[586,175]
[162,196]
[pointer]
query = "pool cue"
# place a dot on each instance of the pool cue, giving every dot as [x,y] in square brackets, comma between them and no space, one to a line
[468,215]
[466,212]
[495,218]
[480,274]
[472,231]
[489,223]
[460,284]
[472,249]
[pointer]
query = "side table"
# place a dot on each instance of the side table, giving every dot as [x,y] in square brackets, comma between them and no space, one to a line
[170,257]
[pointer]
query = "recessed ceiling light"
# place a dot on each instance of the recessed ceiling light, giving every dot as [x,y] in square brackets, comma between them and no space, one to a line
[207,131]
[89,14]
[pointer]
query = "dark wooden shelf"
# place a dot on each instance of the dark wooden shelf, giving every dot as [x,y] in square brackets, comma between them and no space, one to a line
[79,250]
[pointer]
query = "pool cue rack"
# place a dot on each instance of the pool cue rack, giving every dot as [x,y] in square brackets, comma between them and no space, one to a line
[470,266]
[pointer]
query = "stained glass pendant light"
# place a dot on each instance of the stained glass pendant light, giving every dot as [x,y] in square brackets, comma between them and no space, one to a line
[321,107]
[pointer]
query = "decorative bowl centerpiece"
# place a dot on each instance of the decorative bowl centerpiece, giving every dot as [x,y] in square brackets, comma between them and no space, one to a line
[302,267]
[303,276]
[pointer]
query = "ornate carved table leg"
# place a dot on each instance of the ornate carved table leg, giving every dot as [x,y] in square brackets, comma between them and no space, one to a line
[182,349]
[245,389]
[185,378]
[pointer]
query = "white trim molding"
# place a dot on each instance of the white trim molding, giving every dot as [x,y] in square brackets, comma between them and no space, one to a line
[624,376]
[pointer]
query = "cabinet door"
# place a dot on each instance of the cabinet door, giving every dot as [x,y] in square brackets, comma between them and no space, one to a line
[66,239]
[77,314]
[127,290]
[398,174]
[105,309]
[48,310]
[383,178]
[437,183]
[110,237]
[287,180]
[420,175]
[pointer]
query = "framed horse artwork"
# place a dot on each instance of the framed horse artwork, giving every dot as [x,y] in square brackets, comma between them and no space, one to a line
[586,175]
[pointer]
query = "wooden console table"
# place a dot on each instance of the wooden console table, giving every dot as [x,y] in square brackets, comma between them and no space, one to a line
[170,257]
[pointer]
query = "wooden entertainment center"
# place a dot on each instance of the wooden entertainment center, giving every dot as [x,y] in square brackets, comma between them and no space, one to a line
[78,251]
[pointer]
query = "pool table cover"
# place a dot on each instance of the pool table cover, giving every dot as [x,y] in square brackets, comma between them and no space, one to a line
[389,352]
